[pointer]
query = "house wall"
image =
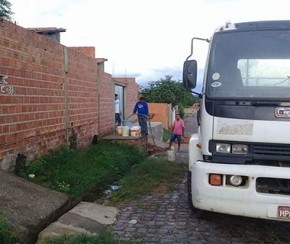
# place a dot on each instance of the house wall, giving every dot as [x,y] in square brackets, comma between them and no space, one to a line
[106,104]
[88,51]
[131,94]
[163,113]
[60,96]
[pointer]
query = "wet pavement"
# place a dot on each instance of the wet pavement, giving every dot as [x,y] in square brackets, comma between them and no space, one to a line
[168,218]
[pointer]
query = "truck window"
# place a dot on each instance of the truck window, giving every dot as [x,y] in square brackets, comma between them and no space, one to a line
[249,65]
[265,72]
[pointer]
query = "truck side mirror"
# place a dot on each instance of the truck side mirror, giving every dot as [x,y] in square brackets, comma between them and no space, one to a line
[189,74]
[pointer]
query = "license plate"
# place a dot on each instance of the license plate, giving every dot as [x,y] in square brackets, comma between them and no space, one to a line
[283,212]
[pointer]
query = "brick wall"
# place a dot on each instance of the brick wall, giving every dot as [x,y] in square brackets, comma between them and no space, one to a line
[61,96]
[163,113]
[82,89]
[106,104]
[88,51]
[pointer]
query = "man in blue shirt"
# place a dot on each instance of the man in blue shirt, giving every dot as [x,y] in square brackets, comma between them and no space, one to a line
[142,111]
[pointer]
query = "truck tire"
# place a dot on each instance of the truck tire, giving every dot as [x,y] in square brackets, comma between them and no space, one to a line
[197,212]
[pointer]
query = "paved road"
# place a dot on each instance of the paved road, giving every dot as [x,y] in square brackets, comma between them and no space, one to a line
[168,219]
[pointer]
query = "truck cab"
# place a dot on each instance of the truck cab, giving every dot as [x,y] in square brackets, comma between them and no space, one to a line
[239,161]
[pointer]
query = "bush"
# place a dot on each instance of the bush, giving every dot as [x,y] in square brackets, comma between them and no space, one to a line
[166,135]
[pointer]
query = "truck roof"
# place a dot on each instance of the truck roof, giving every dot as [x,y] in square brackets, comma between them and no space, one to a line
[255,25]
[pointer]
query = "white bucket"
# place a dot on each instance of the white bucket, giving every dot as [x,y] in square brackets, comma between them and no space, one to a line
[171,155]
[125,130]
[135,131]
[119,130]
[138,128]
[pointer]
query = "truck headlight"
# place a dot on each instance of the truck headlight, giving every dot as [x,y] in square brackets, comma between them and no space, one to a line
[236,180]
[223,148]
[239,149]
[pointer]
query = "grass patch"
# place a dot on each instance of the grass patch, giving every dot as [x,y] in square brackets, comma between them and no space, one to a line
[76,173]
[149,176]
[105,237]
[7,235]
[91,171]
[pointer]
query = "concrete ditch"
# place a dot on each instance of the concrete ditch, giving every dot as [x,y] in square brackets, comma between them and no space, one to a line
[36,212]
[30,207]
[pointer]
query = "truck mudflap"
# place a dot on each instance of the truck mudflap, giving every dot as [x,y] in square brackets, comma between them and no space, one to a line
[247,199]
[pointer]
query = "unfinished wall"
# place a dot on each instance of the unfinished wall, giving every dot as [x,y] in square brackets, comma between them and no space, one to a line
[88,51]
[59,95]
[163,113]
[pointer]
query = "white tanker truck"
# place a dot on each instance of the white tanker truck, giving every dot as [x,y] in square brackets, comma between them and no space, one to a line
[239,161]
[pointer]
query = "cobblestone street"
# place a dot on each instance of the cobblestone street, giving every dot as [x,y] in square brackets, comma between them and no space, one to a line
[169,219]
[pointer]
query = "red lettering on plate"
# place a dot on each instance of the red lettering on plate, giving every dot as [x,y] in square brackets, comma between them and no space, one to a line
[284,212]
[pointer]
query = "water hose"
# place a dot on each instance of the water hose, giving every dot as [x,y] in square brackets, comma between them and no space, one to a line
[153,139]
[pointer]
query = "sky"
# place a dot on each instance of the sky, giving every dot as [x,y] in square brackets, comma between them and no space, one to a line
[144,39]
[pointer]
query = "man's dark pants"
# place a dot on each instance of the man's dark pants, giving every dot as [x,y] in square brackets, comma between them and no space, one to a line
[117,119]
[143,124]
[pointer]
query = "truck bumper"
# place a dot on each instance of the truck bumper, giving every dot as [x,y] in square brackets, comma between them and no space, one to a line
[243,200]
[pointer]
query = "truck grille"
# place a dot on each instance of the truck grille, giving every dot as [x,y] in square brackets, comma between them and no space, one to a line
[271,152]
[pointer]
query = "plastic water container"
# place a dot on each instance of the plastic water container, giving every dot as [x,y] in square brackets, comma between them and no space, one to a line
[171,155]
[135,131]
[125,130]
[119,130]
[138,130]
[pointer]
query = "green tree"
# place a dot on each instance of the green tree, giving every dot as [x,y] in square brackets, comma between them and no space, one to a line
[167,90]
[5,10]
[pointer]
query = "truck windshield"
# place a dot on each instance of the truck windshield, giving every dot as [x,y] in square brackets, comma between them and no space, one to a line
[250,65]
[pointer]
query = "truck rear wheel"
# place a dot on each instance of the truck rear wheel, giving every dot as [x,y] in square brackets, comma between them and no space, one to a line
[198,213]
